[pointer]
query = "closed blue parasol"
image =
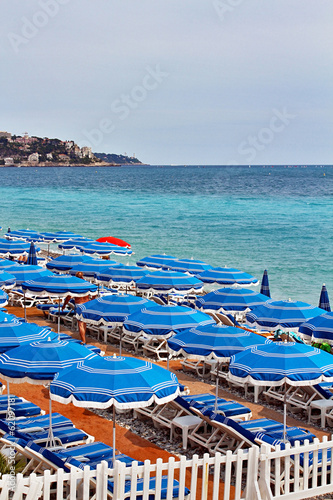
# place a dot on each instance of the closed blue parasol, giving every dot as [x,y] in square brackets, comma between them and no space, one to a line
[15,333]
[32,257]
[168,282]
[25,272]
[264,289]
[318,329]
[230,299]
[66,262]
[275,314]
[7,280]
[213,341]
[281,363]
[165,320]
[115,381]
[111,310]
[227,276]
[324,301]
[189,266]
[155,261]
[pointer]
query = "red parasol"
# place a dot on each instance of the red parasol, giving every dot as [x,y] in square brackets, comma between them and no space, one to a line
[115,241]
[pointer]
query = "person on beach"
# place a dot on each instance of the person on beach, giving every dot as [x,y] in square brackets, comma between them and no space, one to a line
[79,300]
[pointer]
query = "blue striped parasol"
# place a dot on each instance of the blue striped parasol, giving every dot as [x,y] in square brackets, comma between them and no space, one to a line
[14,248]
[66,262]
[281,363]
[111,310]
[32,257]
[7,280]
[189,266]
[121,274]
[25,272]
[24,235]
[324,301]
[275,314]
[227,276]
[164,321]
[3,298]
[92,267]
[212,341]
[155,261]
[75,244]
[168,282]
[230,299]
[264,289]
[121,382]
[104,249]
[15,333]
[60,286]
[318,329]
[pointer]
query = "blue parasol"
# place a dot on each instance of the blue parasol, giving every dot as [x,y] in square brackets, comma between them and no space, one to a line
[3,298]
[32,257]
[60,286]
[66,262]
[227,276]
[121,382]
[189,266]
[111,310]
[275,314]
[281,363]
[15,333]
[24,235]
[264,289]
[104,249]
[230,299]
[14,248]
[168,282]
[7,280]
[25,272]
[75,244]
[92,267]
[164,321]
[318,329]
[324,301]
[155,261]
[121,275]
[213,341]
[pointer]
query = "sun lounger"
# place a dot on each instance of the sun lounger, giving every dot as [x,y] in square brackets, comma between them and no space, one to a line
[43,421]
[226,434]
[63,436]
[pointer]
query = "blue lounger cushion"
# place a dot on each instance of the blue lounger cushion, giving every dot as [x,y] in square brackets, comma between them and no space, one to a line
[207,400]
[21,409]
[91,451]
[261,424]
[323,389]
[65,434]
[43,421]
[4,399]
[152,486]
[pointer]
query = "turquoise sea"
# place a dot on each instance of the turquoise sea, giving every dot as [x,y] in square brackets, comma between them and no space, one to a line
[279,219]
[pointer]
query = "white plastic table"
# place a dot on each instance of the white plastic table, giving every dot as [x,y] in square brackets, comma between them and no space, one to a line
[323,405]
[186,423]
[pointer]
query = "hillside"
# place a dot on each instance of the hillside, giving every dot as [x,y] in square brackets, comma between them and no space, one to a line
[27,151]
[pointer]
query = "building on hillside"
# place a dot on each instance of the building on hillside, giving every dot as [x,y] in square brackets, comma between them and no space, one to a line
[63,157]
[77,151]
[33,158]
[8,161]
[49,156]
[69,145]
[86,152]
[7,135]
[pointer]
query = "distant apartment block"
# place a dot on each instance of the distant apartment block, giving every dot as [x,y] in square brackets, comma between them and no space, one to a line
[86,152]
[49,156]
[33,158]
[8,161]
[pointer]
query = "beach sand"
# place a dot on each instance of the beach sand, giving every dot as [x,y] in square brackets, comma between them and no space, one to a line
[127,441]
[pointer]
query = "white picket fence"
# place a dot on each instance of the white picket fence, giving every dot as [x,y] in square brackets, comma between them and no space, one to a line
[268,475]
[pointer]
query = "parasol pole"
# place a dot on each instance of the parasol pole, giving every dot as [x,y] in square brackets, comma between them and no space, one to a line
[285,413]
[217,386]
[114,434]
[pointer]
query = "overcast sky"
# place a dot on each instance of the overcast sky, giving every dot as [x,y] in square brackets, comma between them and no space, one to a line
[173,81]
